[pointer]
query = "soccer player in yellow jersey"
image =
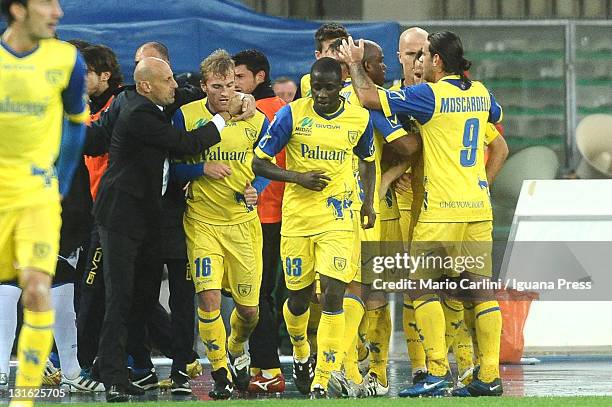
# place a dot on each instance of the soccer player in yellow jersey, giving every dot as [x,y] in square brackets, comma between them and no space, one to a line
[458,326]
[42,80]
[453,113]
[320,136]
[223,233]
[328,38]
[411,41]
[363,306]
[325,37]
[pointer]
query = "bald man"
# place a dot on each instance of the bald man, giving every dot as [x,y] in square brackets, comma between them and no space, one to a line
[410,43]
[128,212]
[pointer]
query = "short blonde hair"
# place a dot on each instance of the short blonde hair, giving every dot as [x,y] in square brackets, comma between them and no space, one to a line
[218,63]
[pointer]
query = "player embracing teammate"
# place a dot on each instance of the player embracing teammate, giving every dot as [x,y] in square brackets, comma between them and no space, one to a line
[454,170]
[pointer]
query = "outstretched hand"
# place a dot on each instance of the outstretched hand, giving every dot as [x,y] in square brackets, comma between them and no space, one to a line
[350,52]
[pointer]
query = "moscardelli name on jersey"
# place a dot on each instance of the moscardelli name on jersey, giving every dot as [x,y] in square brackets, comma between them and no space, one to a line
[464,104]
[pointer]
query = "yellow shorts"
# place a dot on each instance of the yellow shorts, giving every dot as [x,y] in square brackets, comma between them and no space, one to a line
[390,230]
[327,253]
[226,256]
[29,239]
[453,248]
[365,235]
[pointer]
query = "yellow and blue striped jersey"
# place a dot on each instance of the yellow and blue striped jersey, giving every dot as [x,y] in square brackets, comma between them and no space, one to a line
[386,130]
[221,201]
[36,89]
[315,142]
[453,120]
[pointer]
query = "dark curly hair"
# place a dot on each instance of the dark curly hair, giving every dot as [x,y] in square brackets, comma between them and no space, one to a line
[329,31]
[100,58]
[254,60]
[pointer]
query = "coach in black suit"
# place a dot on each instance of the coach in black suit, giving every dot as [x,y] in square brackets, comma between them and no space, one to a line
[128,211]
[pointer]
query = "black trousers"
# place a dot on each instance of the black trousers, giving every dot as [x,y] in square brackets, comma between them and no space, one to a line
[263,343]
[182,307]
[91,305]
[173,334]
[132,275]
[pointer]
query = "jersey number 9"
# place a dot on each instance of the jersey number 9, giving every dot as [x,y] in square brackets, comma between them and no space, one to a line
[470,142]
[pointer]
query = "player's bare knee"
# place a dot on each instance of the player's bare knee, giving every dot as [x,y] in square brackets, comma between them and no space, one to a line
[332,301]
[297,304]
[36,296]
[209,300]
[250,314]
[357,289]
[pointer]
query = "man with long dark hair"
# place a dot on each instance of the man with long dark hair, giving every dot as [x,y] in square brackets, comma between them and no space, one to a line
[452,113]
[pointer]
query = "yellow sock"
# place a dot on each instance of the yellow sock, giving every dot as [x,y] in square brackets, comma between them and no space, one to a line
[213,335]
[255,371]
[488,330]
[329,344]
[457,335]
[239,335]
[313,325]
[416,353]
[463,350]
[430,319]
[353,314]
[296,327]
[34,346]
[470,324]
[351,365]
[379,334]
[453,316]
[362,343]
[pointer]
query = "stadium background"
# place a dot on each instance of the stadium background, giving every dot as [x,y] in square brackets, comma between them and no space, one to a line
[549,62]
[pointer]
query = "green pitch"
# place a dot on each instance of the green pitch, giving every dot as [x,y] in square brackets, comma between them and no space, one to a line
[386,402]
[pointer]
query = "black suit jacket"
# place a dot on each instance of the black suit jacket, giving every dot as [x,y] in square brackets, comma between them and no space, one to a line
[129,198]
[100,132]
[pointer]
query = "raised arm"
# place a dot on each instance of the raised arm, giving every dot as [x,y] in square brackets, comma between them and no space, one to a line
[367,92]
[149,124]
